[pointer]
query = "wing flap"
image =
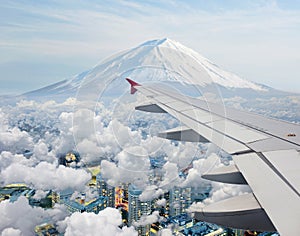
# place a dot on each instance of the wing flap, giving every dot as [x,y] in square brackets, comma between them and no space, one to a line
[225,174]
[154,108]
[279,201]
[287,163]
[237,212]
[268,144]
[182,133]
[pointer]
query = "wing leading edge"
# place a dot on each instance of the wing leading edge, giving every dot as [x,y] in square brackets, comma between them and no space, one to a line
[265,152]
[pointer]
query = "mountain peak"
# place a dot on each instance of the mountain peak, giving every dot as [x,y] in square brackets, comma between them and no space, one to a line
[165,42]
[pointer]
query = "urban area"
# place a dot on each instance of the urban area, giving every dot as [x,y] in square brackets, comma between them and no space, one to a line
[171,207]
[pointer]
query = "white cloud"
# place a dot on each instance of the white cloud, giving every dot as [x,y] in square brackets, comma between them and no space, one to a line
[15,140]
[22,217]
[171,177]
[46,176]
[151,192]
[148,219]
[133,167]
[40,152]
[89,150]
[11,232]
[161,202]
[165,232]
[183,154]
[222,191]
[123,135]
[196,206]
[106,222]
[83,124]
[39,194]
[7,158]
[200,167]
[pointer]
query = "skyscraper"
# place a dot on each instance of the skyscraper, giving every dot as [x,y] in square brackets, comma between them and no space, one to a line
[106,190]
[179,200]
[137,209]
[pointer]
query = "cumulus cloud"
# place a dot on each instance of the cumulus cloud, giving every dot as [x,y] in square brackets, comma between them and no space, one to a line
[221,191]
[148,219]
[3,120]
[123,135]
[161,202]
[39,194]
[8,158]
[165,232]
[19,218]
[15,140]
[46,176]
[133,166]
[11,232]
[106,222]
[171,177]
[196,206]
[40,152]
[83,124]
[200,167]
[150,192]
[183,154]
[89,151]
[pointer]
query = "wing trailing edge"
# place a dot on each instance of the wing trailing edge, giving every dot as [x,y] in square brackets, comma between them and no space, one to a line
[225,174]
[237,212]
[183,133]
[153,108]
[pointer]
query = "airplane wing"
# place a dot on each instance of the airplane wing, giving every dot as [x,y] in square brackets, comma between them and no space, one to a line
[265,151]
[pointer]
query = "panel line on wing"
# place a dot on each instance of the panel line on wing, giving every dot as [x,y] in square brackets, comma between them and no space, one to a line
[189,100]
[222,140]
[269,163]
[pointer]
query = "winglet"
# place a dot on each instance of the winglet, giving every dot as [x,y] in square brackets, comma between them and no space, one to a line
[132,84]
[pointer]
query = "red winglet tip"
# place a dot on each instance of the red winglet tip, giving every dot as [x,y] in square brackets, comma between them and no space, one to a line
[133,84]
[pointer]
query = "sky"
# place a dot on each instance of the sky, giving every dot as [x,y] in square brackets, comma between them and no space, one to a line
[43,42]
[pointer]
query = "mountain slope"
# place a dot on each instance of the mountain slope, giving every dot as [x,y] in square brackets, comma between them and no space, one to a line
[156,60]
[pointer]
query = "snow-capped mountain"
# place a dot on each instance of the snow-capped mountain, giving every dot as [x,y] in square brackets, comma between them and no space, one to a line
[156,60]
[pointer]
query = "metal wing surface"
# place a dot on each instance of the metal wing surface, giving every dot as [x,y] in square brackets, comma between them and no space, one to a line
[265,152]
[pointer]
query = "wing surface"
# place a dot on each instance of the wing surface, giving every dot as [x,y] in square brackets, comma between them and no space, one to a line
[265,152]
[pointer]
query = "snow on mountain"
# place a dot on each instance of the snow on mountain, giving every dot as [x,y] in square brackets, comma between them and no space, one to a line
[216,74]
[155,60]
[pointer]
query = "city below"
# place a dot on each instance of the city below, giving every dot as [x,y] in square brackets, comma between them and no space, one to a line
[170,208]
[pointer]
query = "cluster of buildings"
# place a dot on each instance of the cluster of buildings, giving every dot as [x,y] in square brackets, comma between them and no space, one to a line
[171,206]
[12,192]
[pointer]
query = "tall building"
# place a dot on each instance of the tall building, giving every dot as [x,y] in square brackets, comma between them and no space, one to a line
[106,190]
[136,209]
[179,200]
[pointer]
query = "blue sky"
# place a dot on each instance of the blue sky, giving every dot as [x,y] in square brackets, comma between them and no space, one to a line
[44,41]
